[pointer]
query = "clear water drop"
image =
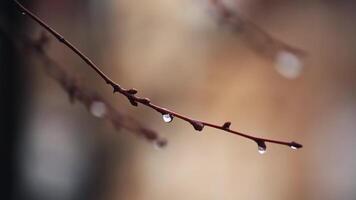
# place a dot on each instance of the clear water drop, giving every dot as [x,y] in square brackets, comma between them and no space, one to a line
[167,117]
[261,149]
[288,64]
[294,147]
[98,109]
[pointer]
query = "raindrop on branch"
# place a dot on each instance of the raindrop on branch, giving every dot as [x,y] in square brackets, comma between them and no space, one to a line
[167,117]
[261,146]
[293,147]
[261,150]
[98,109]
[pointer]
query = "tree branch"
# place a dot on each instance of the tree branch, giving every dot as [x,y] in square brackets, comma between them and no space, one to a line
[260,40]
[95,103]
[130,94]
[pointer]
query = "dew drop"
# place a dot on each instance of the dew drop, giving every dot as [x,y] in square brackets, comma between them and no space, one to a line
[288,64]
[261,150]
[294,147]
[261,146]
[167,117]
[98,109]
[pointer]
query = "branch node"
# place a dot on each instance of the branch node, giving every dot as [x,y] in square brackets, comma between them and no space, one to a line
[61,39]
[115,87]
[132,101]
[197,125]
[226,125]
[145,100]
[260,143]
[132,91]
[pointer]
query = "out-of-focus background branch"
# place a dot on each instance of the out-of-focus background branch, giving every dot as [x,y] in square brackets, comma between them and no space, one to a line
[181,56]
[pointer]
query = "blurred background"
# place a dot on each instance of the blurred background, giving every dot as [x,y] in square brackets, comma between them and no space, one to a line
[184,56]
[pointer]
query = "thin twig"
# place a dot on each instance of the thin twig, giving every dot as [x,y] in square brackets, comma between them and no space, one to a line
[259,39]
[130,94]
[86,96]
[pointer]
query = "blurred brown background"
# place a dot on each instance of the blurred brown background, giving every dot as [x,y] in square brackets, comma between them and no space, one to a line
[180,56]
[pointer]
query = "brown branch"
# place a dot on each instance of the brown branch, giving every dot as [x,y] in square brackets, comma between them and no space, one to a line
[90,98]
[260,40]
[130,94]
[77,92]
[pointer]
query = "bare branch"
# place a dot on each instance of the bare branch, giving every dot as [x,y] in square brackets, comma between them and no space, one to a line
[130,94]
[95,103]
[258,38]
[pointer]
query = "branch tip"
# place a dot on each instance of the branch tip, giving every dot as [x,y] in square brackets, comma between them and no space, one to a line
[295,145]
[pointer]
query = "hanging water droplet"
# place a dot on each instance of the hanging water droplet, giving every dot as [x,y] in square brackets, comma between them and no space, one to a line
[167,117]
[294,147]
[288,64]
[261,146]
[98,109]
[261,149]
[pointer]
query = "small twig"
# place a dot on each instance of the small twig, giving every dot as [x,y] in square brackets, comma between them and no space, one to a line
[95,103]
[87,97]
[258,38]
[130,94]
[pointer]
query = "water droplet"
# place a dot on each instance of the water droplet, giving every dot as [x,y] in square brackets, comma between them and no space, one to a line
[23,13]
[261,146]
[288,64]
[98,109]
[167,117]
[261,149]
[295,145]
